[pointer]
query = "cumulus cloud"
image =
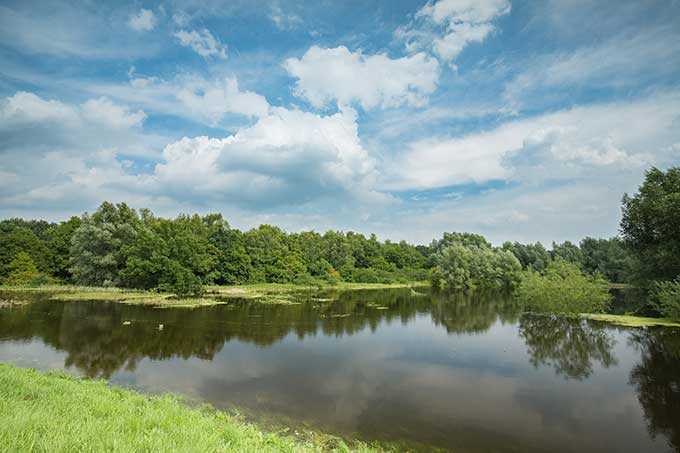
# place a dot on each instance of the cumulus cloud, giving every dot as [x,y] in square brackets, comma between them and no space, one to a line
[202,42]
[573,143]
[144,20]
[337,74]
[448,26]
[26,111]
[212,100]
[56,153]
[287,157]
[76,155]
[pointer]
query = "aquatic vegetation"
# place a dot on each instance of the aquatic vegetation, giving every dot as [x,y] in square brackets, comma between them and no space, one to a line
[105,418]
[630,321]
[106,294]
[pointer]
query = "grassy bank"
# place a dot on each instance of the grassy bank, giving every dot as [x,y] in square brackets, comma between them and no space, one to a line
[265,293]
[631,321]
[58,413]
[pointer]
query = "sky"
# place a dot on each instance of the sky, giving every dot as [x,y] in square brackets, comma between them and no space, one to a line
[521,121]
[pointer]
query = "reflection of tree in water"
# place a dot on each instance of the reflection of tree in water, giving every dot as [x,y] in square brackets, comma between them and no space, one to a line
[471,313]
[569,345]
[657,381]
[98,342]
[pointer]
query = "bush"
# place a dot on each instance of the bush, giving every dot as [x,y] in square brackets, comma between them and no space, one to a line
[564,288]
[666,298]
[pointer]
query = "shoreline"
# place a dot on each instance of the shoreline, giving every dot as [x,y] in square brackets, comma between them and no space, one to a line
[272,293]
[55,411]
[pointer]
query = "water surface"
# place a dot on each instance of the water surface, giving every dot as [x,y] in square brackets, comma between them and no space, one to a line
[465,374]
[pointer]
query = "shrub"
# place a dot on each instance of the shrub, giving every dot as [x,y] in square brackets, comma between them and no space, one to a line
[564,288]
[666,298]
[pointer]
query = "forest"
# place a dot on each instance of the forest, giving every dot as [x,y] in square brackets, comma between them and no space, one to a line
[118,246]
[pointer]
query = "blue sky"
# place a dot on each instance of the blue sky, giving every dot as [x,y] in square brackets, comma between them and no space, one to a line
[518,120]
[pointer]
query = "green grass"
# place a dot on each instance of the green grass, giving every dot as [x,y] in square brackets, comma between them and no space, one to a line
[272,293]
[285,293]
[115,295]
[55,412]
[631,321]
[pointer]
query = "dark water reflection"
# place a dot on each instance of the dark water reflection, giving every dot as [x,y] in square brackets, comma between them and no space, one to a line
[461,373]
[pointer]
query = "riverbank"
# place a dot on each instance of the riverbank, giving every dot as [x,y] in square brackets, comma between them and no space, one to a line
[56,412]
[630,321]
[273,293]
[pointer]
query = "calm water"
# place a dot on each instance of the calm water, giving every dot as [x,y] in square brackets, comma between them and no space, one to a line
[464,374]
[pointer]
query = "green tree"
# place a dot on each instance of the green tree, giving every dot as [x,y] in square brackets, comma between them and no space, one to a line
[649,224]
[564,288]
[59,242]
[567,251]
[608,257]
[171,255]
[531,256]
[21,270]
[271,258]
[467,267]
[233,265]
[666,298]
[16,237]
[97,246]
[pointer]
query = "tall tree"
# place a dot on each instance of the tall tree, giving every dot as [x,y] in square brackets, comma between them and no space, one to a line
[97,246]
[651,224]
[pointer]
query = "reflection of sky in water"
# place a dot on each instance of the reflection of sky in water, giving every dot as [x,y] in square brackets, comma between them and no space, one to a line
[406,380]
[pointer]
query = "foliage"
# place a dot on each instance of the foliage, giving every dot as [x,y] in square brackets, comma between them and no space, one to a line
[564,288]
[531,256]
[567,251]
[16,237]
[105,418]
[171,255]
[97,253]
[650,224]
[464,266]
[21,270]
[608,257]
[666,298]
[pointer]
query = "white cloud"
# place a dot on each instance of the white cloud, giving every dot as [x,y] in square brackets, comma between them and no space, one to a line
[188,96]
[625,61]
[64,30]
[202,42]
[326,75]
[144,20]
[59,153]
[287,157]
[472,11]
[448,26]
[75,155]
[569,144]
[28,110]
[213,100]
[283,20]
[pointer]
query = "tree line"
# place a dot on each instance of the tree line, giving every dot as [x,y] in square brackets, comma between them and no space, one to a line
[120,246]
